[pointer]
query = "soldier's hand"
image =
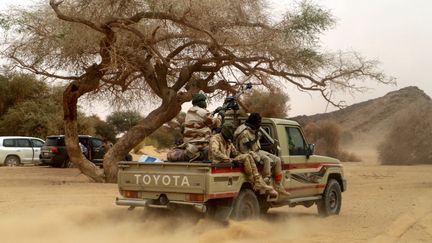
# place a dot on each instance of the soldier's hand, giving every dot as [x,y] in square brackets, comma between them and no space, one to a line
[259,162]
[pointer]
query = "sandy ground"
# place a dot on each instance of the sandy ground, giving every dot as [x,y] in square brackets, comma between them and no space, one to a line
[382,204]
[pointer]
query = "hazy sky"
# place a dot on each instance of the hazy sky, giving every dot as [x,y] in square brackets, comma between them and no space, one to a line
[396,32]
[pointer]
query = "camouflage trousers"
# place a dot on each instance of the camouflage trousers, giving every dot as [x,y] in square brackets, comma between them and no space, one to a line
[249,165]
[270,161]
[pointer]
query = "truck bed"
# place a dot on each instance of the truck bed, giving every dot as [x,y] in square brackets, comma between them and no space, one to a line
[162,184]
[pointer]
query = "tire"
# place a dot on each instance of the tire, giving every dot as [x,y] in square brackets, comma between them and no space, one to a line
[331,202]
[264,205]
[12,160]
[246,206]
[68,164]
[220,209]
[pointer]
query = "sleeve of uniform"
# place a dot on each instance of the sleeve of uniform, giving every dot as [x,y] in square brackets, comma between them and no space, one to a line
[208,120]
[241,140]
[234,151]
[214,146]
[255,156]
[216,121]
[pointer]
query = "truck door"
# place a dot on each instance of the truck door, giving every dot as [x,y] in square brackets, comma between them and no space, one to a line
[37,145]
[25,150]
[302,180]
[97,150]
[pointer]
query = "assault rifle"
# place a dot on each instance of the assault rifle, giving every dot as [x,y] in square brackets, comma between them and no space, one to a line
[230,103]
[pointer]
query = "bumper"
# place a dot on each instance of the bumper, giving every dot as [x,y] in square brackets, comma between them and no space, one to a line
[132,203]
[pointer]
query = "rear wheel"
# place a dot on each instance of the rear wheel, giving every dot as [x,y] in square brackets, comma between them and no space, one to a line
[246,206]
[12,160]
[264,205]
[219,209]
[68,164]
[331,202]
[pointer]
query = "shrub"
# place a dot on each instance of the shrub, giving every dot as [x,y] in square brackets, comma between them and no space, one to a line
[164,137]
[410,137]
[268,104]
[327,136]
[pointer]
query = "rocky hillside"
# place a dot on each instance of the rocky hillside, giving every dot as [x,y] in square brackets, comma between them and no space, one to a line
[367,123]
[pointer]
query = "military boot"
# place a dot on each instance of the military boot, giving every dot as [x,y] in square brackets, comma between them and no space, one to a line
[279,186]
[261,186]
[267,180]
[281,190]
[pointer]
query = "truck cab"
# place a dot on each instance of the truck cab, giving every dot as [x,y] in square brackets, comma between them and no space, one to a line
[223,191]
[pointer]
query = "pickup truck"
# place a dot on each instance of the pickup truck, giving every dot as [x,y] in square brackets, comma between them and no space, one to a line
[222,190]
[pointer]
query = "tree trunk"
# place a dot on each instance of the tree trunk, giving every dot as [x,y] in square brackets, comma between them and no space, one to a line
[167,111]
[76,156]
[75,90]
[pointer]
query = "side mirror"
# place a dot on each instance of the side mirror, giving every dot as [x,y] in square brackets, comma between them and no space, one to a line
[310,148]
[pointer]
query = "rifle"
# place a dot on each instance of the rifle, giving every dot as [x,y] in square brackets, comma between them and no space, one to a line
[230,103]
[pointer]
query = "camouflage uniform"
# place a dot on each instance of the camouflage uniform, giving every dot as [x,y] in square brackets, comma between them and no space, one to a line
[247,141]
[198,127]
[223,151]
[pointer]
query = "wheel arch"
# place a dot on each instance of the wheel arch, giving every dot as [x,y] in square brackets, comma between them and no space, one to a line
[338,178]
[13,155]
[246,185]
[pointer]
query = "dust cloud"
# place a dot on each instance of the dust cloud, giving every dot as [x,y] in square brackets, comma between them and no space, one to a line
[85,224]
[48,205]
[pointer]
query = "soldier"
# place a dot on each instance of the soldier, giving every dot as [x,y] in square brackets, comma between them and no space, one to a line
[222,150]
[247,141]
[198,126]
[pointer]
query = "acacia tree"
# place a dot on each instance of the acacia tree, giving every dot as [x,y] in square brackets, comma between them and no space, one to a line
[166,50]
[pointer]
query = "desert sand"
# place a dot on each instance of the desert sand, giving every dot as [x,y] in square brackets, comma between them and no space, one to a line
[382,204]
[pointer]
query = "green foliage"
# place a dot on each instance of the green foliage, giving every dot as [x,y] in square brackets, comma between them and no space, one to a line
[409,140]
[164,137]
[16,88]
[29,107]
[268,104]
[326,136]
[310,20]
[105,130]
[122,121]
[37,118]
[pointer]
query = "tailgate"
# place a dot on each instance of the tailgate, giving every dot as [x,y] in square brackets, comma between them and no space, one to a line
[163,177]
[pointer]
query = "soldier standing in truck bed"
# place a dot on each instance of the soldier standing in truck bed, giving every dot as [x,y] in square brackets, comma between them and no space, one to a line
[222,150]
[247,141]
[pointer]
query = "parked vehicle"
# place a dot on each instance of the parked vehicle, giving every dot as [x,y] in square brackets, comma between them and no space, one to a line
[16,150]
[54,151]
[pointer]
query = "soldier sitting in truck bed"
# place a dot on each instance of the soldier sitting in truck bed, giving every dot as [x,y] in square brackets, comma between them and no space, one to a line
[222,150]
[247,141]
[198,126]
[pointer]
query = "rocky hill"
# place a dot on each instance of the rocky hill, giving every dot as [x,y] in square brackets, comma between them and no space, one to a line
[367,123]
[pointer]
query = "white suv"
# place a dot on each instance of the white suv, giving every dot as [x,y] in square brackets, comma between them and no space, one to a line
[20,150]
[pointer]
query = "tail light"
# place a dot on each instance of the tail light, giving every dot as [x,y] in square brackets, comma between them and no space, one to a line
[54,150]
[195,197]
[130,194]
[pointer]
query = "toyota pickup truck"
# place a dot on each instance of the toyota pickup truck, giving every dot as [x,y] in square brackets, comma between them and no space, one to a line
[222,190]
